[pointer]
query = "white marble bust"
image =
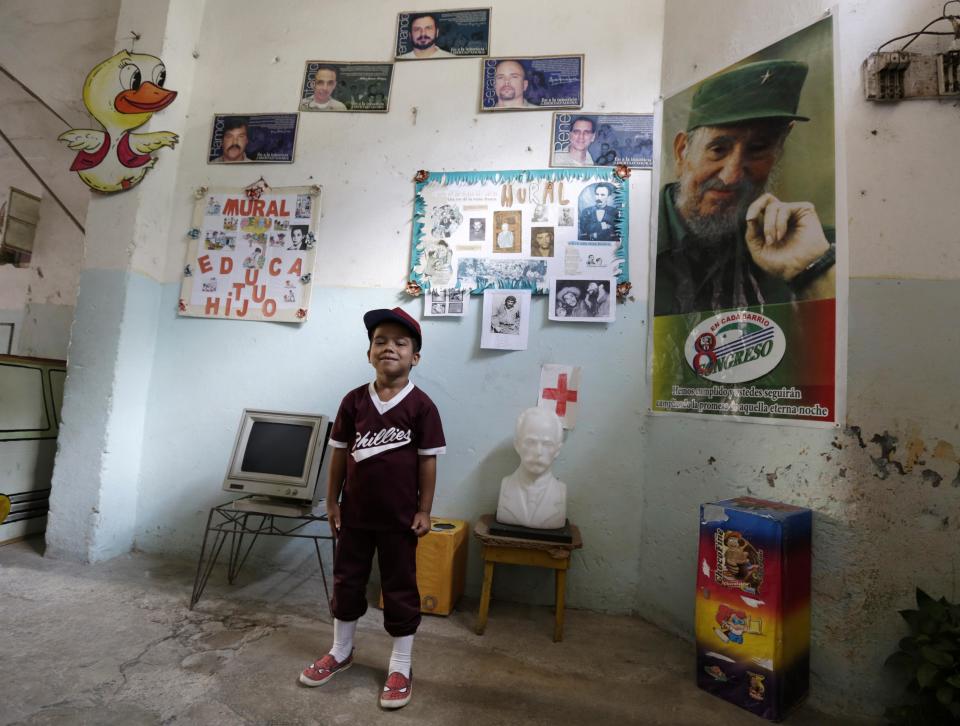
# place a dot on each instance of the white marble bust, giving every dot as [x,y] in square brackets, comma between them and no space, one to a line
[531,496]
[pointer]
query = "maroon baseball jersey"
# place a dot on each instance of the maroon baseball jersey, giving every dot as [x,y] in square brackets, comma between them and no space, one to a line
[384,442]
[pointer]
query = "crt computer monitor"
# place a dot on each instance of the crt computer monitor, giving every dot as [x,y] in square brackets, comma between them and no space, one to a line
[279,454]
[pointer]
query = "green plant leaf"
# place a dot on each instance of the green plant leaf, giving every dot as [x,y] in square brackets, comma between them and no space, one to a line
[909,645]
[889,713]
[898,715]
[923,597]
[901,661]
[927,714]
[913,619]
[937,657]
[914,716]
[926,674]
[954,680]
[945,695]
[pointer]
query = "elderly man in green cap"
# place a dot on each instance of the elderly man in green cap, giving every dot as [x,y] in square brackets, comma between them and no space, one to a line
[723,241]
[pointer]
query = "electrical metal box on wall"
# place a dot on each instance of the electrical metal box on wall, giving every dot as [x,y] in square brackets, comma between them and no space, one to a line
[899,76]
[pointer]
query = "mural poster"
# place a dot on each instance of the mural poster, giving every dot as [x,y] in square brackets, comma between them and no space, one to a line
[518,229]
[744,256]
[252,257]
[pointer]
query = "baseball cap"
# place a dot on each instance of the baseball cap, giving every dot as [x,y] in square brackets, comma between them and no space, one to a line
[373,318]
[751,92]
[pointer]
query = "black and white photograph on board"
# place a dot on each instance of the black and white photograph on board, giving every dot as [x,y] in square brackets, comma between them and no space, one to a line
[583,300]
[506,319]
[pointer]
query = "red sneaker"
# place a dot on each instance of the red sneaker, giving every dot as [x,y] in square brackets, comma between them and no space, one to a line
[397,690]
[322,670]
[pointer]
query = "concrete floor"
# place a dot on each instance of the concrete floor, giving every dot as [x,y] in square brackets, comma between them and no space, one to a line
[114,644]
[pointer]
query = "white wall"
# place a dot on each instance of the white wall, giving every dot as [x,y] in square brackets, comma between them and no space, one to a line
[94,494]
[199,374]
[366,162]
[884,522]
[206,371]
[74,37]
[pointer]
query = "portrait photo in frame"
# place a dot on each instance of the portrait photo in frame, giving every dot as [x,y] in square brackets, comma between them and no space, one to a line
[435,34]
[351,87]
[530,83]
[253,138]
[602,139]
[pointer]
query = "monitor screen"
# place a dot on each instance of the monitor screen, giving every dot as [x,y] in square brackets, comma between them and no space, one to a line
[279,454]
[276,448]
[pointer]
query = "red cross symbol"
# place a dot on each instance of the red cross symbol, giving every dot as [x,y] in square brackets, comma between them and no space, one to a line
[561,394]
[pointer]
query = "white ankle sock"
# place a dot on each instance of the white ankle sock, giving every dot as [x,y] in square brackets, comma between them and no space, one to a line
[401,658]
[342,639]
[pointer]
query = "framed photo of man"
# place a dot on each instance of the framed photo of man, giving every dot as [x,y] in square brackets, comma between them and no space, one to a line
[745,312]
[532,82]
[253,138]
[602,139]
[432,34]
[336,86]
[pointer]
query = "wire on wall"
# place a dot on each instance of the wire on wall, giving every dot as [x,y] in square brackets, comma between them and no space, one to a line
[20,156]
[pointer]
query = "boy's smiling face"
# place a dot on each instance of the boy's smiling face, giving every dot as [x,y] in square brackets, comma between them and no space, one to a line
[392,350]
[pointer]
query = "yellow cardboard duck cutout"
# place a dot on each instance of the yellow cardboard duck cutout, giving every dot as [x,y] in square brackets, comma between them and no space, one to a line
[122,93]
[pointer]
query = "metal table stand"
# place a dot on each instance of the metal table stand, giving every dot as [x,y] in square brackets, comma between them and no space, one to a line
[231,521]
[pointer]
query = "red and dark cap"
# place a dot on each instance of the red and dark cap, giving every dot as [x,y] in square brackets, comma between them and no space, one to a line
[373,318]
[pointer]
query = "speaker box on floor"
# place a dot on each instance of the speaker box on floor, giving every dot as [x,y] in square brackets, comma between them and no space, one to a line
[441,565]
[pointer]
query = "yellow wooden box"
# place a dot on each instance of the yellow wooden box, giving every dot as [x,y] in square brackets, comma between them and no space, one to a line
[441,565]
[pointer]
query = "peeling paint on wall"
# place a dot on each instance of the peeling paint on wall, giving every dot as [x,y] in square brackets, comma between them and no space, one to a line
[888,445]
[855,431]
[931,477]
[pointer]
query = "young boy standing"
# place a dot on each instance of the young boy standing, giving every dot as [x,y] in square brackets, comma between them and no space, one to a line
[385,441]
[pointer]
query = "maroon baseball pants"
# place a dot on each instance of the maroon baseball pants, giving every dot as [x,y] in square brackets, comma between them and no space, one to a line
[397,556]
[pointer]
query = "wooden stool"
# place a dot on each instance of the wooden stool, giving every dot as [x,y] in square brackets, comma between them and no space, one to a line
[533,553]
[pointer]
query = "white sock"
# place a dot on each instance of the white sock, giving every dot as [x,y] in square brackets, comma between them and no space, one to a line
[342,639]
[401,659]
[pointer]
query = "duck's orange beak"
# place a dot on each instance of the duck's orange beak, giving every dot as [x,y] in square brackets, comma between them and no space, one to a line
[146,99]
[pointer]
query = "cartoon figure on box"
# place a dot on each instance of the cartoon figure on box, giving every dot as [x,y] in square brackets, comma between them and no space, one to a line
[732,625]
[739,563]
[756,689]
